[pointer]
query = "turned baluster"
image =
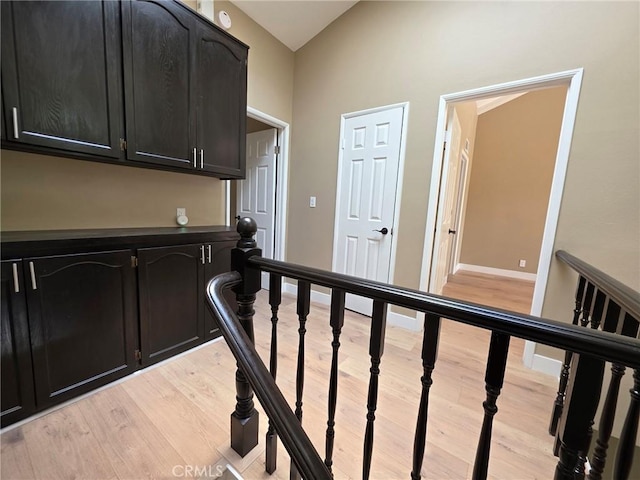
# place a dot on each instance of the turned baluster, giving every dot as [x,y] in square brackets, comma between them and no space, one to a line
[581,403]
[624,455]
[303,307]
[605,427]
[494,378]
[564,375]
[275,298]
[597,308]
[429,355]
[587,305]
[337,322]
[376,348]
[244,420]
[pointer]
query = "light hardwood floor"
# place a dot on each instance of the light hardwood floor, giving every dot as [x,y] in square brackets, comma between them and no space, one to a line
[158,422]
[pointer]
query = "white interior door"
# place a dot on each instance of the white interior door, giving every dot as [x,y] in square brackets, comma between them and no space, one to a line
[367,182]
[256,193]
[446,224]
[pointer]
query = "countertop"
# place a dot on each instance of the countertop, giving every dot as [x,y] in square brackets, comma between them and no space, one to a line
[19,244]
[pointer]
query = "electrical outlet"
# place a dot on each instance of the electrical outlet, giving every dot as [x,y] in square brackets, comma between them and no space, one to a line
[312,202]
[522,263]
[181,211]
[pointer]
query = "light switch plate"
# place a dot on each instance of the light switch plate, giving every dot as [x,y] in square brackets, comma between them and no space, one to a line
[312,202]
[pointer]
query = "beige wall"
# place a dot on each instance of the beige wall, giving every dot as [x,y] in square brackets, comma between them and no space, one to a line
[49,193]
[515,153]
[270,83]
[41,192]
[385,52]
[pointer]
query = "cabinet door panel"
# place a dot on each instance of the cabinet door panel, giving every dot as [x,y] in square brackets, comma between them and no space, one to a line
[220,263]
[222,102]
[158,57]
[171,300]
[18,399]
[82,316]
[61,75]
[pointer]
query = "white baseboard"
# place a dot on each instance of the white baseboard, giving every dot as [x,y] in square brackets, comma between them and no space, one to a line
[547,365]
[496,271]
[393,318]
[403,321]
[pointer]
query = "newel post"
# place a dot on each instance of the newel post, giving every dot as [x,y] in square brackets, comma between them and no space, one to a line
[244,420]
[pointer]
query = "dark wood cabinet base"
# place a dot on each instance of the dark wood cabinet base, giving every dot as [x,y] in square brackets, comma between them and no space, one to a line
[83,308]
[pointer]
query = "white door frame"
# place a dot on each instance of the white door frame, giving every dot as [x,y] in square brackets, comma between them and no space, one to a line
[282,182]
[573,80]
[396,211]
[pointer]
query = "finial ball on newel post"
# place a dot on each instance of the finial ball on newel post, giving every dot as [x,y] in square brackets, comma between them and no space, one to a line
[247,228]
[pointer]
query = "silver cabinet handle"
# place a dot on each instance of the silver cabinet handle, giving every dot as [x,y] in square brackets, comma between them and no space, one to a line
[16,283]
[33,276]
[209,248]
[201,158]
[194,157]
[15,122]
[202,253]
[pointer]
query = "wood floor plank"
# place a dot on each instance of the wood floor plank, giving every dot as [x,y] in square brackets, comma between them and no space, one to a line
[178,413]
[15,461]
[132,443]
[64,445]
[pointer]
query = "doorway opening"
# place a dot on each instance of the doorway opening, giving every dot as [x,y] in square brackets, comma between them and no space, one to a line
[435,261]
[272,176]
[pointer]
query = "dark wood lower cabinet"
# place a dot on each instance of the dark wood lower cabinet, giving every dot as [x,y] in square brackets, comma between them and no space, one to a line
[83,322]
[170,282]
[218,261]
[72,322]
[17,393]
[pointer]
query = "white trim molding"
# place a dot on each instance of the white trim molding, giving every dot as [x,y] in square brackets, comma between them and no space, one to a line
[500,272]
[282,180]
[573,80]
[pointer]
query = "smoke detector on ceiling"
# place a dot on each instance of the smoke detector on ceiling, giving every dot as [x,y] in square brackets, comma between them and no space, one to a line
[224,19]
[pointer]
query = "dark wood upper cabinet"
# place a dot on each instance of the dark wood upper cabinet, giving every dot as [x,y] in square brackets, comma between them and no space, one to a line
[222,102]
[18,400]
[158,45]
[170,283]
[62,75]
[83,322]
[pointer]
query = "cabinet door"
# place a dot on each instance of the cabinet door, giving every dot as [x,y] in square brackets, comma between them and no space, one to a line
[82,317]
[18,399]
[158,39]
[61,75]
[222,102]
[170,283]
[218,261]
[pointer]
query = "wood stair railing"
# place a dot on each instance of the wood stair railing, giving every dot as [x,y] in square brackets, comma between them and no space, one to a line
[604,303]
[578,399]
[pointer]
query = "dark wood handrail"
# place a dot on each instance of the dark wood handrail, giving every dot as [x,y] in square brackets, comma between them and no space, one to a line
[603,345]
[294,438]
[624,296]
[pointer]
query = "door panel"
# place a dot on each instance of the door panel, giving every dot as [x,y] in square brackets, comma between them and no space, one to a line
[62,86]
[222,102]
[447,213]
[256,193]
[18,400]
[170,282]
[366,198]
[158,56]
[82,317]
